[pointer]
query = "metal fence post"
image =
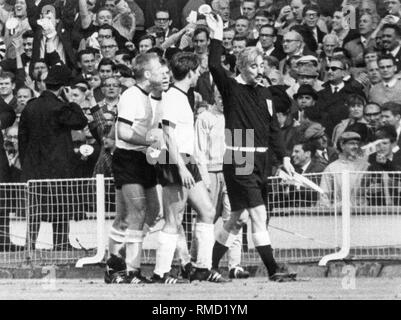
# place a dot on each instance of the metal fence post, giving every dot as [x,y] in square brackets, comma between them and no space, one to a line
[101,221]
[345,221]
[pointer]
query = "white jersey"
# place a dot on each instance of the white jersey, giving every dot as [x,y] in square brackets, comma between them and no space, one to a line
[136,110]
[178,111]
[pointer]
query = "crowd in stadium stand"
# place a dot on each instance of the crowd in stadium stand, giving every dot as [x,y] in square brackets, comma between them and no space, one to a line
[332,67]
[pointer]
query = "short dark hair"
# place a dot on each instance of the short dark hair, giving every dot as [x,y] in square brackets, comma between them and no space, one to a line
[108,27]
[240,38]
[262,13]
[387,57]
[242,18]
[386,132]
[156,50]
[106,62]
[354,98]
[202,29]
[393,107]
[84,52]
[148,37]
[307,146]
[311,7]
[182,63]
[272,61]
[28,34]
[396,28]
[7,75]
[125,71]
[270,27]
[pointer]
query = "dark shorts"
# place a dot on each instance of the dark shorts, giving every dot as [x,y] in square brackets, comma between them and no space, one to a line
[248,191]
[132,167]
[168,173]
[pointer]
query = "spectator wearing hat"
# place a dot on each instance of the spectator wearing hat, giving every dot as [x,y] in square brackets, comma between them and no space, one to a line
[306,76]
[46,150]
[324,153]
[349,160]
[383,188]
[356,105]
[331,100]
[305,97]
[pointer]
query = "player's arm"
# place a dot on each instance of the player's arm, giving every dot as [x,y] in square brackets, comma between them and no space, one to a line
[175,156]
[127,134]
[128,119]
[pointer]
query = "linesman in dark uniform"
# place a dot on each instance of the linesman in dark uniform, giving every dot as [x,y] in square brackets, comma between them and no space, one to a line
[252,136]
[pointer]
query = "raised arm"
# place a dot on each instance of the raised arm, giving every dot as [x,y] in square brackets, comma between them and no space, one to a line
[4,15]
[84,13]
[219,74]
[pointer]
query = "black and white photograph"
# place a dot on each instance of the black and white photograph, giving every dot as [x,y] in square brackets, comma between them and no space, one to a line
[200,157]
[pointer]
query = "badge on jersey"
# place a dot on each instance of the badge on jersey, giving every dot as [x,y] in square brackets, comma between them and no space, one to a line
[270,106]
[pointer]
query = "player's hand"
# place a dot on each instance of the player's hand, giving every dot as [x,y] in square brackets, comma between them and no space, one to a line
[187,178]
[284,12]
[381,158]
[288,166]
[108,143]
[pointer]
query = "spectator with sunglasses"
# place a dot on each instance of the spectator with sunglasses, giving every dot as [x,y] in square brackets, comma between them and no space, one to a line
[331,100]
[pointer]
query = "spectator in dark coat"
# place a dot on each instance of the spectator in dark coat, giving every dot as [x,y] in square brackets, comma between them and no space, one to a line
[384,187]
[46,152]
[7,118]
[331,100]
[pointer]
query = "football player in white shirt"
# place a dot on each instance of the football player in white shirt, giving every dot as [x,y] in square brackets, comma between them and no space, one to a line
[181,178]
[135,178]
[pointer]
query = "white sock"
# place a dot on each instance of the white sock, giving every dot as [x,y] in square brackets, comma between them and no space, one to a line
[261,239]
[165,253]
[116,241]
[234,252]
[204,235]
[134,240]
[181,251]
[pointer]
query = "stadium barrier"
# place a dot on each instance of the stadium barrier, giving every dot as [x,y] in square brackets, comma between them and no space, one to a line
[56,222]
